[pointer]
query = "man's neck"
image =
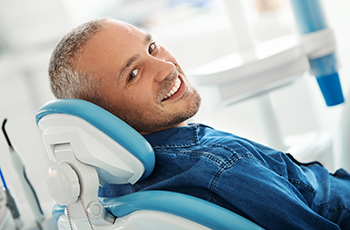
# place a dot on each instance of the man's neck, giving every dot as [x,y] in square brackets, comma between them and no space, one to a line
[182,124]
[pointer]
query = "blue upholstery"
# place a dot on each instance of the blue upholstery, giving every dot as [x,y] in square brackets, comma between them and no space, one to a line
[191,208]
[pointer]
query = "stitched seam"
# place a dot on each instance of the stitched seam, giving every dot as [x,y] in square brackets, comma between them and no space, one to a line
[293,181]
[212,197]
[325,204]
[173,146]
[339,208]
[197,154]
[224,165]
[214,158]
[244,156]
[195,142]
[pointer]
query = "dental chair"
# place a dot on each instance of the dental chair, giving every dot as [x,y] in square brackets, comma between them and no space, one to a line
[90,147]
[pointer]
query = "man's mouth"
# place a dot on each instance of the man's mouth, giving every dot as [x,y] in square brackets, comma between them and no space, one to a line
[174,89]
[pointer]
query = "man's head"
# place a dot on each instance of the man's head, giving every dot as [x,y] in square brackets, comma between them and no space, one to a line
[123,70]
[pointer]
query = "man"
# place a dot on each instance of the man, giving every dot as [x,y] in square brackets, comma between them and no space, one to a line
[132,76]
[123,70]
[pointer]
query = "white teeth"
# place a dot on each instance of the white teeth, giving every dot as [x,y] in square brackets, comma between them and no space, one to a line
[174,89]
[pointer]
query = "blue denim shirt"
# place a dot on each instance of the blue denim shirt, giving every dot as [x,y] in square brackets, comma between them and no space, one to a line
[262,184]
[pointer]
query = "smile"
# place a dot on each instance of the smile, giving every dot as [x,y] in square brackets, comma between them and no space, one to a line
[174,89]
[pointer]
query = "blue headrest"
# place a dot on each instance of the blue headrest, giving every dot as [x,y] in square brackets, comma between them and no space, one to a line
[106,122]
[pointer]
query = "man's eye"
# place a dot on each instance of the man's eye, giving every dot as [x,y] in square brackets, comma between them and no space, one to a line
[152,47]
[133,74]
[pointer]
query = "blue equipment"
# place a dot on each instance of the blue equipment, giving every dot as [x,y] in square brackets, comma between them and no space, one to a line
[27,187]
[323,62]
[10,204]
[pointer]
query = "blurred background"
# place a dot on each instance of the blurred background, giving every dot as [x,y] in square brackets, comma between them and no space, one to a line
[196,31]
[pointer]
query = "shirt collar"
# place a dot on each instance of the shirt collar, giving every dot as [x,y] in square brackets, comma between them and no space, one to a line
[184,136]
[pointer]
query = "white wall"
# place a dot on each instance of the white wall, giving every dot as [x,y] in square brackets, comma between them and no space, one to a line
[30,28]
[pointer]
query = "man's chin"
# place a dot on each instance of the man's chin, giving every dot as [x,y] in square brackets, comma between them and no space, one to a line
[175,120]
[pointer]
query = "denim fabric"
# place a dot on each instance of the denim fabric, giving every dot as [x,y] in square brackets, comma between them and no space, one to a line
[264,185]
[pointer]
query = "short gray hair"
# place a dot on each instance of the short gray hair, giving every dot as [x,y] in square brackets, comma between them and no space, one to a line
[65,80]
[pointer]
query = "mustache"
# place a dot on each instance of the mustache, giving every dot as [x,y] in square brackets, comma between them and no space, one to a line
[167,83]
[171,77]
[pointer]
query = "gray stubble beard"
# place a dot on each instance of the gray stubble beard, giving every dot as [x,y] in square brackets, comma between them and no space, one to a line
[140,124]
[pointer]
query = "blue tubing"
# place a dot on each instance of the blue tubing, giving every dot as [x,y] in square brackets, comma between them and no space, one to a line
[3,179]
[308,15]
[331,89]
[325,71]
[310,18]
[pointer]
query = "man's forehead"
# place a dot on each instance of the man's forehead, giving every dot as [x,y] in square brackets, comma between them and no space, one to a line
[112,23]
[114,34]
[122,27]
[111,45]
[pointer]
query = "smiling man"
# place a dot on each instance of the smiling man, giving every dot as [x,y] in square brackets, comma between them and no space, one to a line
[123,70]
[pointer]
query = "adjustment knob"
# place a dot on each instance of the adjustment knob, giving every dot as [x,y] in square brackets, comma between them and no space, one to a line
[63,184]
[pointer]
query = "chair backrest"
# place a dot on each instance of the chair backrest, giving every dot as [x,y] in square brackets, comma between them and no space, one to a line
[98,138]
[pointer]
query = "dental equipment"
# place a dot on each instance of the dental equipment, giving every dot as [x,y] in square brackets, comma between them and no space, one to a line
[27,187]
[318,41]
[10,204]
[91,146]
[259,68]
[252,72]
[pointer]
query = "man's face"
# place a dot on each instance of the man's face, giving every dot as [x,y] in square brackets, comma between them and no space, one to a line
[140,78]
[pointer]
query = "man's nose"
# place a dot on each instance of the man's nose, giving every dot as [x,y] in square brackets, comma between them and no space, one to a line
[161,68]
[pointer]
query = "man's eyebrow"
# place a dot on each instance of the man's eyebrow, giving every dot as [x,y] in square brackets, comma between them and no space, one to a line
[148,38]
[131,60]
